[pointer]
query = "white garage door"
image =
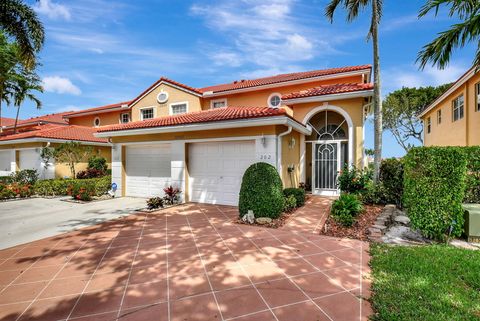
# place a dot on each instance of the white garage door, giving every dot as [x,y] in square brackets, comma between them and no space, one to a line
[148,169]
[5,159]
[29,159]
[216,170]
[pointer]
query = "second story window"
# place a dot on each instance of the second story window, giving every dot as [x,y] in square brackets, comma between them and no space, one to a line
[124,118]
[146,113]
[274,100]
[439,116]
[457,108]
[218,103]
[180,108]
[429,125]
[477,96]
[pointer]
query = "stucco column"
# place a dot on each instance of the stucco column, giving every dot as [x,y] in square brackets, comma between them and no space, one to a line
[13,160]
[303,159]
[117,168]
[178,166]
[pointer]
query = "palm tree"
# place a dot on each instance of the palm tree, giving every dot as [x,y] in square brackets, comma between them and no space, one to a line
[353,7]
[20,22]
[439,51]
[26,83]
[8,71]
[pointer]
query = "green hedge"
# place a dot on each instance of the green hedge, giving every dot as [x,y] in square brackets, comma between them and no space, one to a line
[472,189]
[298,193]
[261,191]
[59,187]
[434,188]
[391,180]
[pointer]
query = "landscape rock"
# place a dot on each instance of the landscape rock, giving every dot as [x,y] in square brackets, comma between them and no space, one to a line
[402,219]
[263,220]
[249,217]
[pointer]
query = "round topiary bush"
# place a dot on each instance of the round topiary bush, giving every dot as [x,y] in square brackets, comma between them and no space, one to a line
[261,191]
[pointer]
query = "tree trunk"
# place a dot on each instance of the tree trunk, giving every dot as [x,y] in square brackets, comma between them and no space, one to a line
[16,120]
[1,95]
[377,102]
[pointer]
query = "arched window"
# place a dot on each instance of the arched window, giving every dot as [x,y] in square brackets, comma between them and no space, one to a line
[330,132]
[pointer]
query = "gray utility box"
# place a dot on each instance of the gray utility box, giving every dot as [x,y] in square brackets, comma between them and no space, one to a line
[472,222]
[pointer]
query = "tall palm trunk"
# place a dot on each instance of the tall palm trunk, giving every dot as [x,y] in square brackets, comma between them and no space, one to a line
[16,120]
[377,101]
[1,128]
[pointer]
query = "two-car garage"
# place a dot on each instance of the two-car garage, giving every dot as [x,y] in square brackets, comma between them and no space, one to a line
[215,169]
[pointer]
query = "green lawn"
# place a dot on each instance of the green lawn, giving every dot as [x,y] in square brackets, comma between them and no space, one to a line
[425,283]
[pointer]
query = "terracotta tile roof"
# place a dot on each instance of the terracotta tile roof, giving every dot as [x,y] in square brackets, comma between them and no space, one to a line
[281,78]
[71,132]
[166,80]
[7,121]
[328,90]
[105,108]
[204,116]
[50,118]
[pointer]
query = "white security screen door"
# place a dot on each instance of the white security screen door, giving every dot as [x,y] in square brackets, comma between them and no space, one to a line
[326,156]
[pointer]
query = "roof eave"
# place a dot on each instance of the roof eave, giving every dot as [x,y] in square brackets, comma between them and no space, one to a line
[240,123]
[288,83]
[136,100]
[50,140]
[94,112]
[466,76]
[323,98]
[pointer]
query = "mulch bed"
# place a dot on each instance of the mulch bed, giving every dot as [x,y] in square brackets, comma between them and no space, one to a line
[94,199]
[359,230]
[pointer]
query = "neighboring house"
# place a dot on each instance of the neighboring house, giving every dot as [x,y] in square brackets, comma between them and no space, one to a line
[22,150]
[307,124]
[453,119]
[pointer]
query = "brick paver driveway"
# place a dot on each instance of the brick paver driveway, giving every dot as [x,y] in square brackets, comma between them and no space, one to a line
[189,262]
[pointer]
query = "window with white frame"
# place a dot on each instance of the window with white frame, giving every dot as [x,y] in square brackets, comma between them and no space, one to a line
[274,100]
[457,108]
[147,113]
[219,103]
[180,108]
[429,125]
[477,97]
[439,116]
[124,118]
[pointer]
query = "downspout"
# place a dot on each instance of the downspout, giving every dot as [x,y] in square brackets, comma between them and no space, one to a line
[279,149]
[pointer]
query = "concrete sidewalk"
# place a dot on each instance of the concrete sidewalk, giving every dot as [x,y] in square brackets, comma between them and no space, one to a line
[27,220]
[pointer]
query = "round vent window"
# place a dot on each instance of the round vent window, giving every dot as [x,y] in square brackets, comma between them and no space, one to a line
[274,100]
[162,97]
[96,122]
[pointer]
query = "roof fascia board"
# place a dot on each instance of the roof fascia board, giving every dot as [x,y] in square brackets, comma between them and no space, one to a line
[278,120]
[94,112]
[39,122]
[323,98]
[288,83]
[51,140]
[469,74]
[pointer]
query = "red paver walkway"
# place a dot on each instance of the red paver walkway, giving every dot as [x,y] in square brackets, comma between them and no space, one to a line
[189,262]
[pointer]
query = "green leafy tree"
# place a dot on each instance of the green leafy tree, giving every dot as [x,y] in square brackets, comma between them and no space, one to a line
[400,111]
[439,51]
[9,73]
[72,153]
[20,21]
[353,8]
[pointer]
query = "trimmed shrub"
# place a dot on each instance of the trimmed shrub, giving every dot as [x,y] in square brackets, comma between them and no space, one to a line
[60,187]
[5,179]
[261,191]
[6,192]
[52,187]
[345,209]
[90,173]
[290,203]
[25,176]
[434,187]
[353,180]
[155,202]
[472,182]
[15,190]
[97,162]
[391,179]
[373,194]
[298,193]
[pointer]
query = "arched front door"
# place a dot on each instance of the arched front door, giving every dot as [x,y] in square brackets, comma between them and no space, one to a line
[329,151]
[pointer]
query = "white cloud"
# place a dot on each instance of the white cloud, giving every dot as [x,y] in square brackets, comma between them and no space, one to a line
[226,58]
[60,85]
[265,33]
[52,10]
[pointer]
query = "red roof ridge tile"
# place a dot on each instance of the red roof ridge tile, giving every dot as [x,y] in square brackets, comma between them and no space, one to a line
[328,90]
[51,131]
[109,106]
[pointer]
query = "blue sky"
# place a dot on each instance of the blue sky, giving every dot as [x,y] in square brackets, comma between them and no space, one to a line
[99,52]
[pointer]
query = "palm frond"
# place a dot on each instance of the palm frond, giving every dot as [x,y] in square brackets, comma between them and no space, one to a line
[439,51]
[330,9]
